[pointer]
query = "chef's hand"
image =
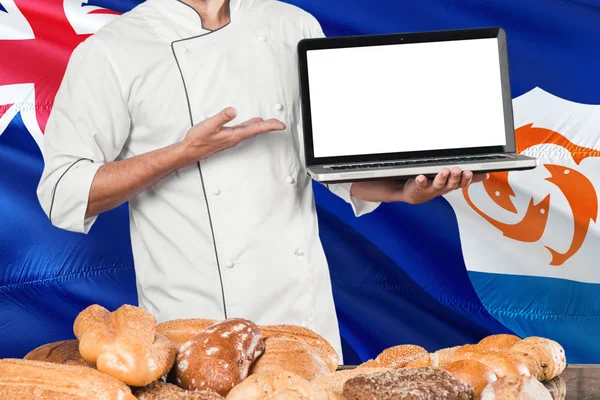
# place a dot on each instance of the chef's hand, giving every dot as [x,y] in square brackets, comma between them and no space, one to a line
[415,190]
[211,136]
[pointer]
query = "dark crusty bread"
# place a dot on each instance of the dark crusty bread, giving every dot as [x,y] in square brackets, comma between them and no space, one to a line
[165,391]
[219,357]
[408,384]
[63,352]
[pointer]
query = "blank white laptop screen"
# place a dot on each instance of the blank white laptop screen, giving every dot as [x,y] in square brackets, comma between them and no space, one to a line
[407,97]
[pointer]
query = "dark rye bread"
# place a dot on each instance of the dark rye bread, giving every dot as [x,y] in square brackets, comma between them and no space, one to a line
[408,384]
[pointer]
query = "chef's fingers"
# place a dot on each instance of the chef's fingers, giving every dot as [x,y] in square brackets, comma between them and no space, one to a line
[243,132]
[440,180]
[467,178]
[251,121]
[454,180]
[479,177]
[216,122]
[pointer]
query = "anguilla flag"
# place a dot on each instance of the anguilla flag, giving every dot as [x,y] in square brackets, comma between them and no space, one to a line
[516,254]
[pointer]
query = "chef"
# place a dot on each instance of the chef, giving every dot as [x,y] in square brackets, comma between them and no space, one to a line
[190,111]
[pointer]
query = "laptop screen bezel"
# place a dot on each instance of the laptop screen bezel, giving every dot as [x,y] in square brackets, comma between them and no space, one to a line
[306,45]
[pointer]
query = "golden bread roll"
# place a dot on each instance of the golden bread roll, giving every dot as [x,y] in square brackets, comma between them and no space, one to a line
[369,364]
[263,385]
[468,352]
[500,342]
[165,391]
[399,356]
[557,388]
[516,388]
[474,373]
[124,344]
[27,379]
[321,346]
[219,357]
[443,357]
[334,382]
[423,360]
[180,331]
[290,353]
[503,364]
[544,357]
[63,352]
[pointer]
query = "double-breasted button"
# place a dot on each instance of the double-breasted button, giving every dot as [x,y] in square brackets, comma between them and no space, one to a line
[229,264]
[262,38]
[216,192]
[290,180]
[278,106]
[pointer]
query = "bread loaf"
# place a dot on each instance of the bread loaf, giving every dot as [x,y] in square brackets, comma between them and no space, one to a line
[124,344]
[544,357]
[372,363]
[443,357]
[180,331]
[516,388]
[63,352]
[261,386]
[321,346]
[303,391]
[408,383]
[27,379]
[334,382]
[503,364]
[292,354]
[219,357]
[468,352]
[399,356]
[501,342]
[160,390]
[476,374]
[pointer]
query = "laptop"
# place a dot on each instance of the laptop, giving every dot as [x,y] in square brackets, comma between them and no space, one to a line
[402,105]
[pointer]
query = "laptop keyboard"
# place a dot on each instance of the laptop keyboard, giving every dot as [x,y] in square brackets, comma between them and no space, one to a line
[408,163]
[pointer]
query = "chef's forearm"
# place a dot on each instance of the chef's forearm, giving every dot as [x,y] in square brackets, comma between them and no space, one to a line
[117,182]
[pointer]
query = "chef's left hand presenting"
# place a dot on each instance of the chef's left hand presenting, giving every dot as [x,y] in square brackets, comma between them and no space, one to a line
[415,190]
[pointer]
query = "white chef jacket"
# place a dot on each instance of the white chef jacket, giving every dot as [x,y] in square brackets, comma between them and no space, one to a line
[236,234]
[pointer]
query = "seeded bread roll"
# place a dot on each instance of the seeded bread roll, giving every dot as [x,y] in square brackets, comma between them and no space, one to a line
[474,373]
[545,358]
[408,383]
[399,356]
[124,344]
[516,388]
[219,357]
[180,331]
[501,342]
[165,391]
[292,354]
[28,379]
[63,352]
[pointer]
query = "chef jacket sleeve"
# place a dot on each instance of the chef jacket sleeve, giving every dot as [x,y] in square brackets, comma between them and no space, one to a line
[87,127]
[342,190]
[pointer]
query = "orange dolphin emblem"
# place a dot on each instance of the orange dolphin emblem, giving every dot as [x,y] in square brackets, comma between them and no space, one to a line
[577,189]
